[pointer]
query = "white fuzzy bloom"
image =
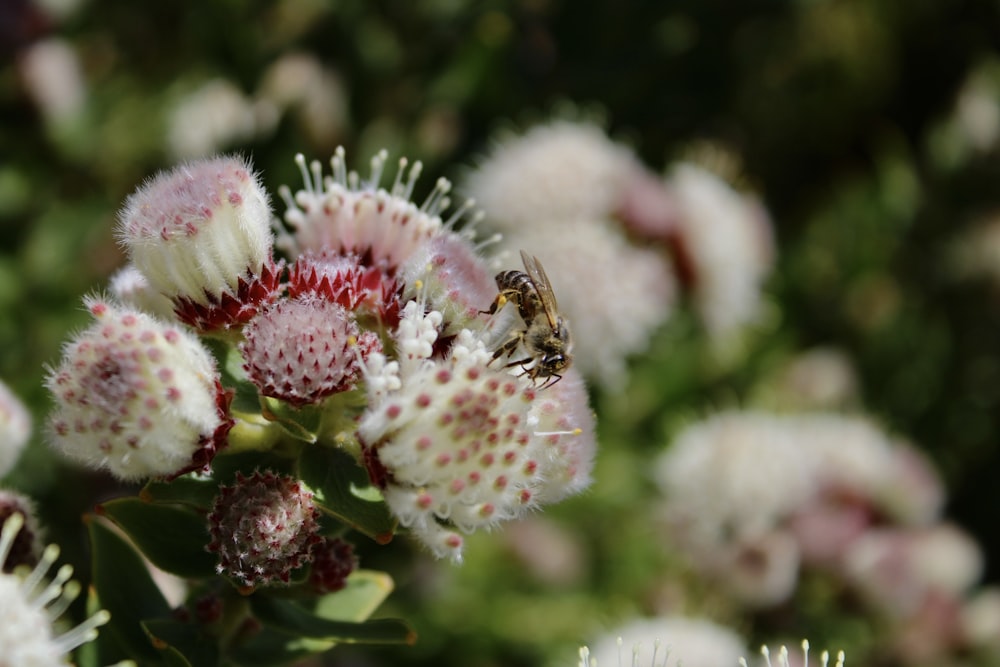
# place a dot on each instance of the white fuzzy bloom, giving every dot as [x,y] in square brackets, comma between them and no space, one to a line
[15,428]
[670,641]
[131,287]
[726,237]
[31,606]
[613,294]
[198,230]
[315,94]
[557,171]
[345,213]
[134,395]
[980,619]
[54,79]
[735,475]
[214,117]
[464,445]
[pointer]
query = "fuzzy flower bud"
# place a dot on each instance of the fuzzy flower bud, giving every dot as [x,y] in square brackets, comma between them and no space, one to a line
[15,428]
[201,235]
[137,397]
[333,561]
[458,443]
[263,527]
[303,350]
[30,609]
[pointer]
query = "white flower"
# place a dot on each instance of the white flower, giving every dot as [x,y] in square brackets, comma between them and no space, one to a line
[131,287]
[554,172]
[459,444]
[136,396]
[215,116]
[314,93]
[785,660]
[15,428]
[30,606]
[613,294]
[725,236]
[344,213]
[53,77]
[671,640]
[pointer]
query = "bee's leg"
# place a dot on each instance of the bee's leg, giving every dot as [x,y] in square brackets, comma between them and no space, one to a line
[552,379]
[507,348]
[497,304]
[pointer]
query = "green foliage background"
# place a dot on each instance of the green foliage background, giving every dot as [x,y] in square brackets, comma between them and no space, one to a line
[838,108]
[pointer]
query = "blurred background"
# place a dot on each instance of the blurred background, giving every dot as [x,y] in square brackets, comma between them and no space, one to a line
[868,129]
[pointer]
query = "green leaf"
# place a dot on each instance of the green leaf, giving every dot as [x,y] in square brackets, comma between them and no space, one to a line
[225,466]
[270,648]
[366,590]
[125,589]
[341,485]
[199,493]
[172,537]
[296,620]
[185,643]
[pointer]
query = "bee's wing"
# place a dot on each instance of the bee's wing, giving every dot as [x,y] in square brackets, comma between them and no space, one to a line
[543,287]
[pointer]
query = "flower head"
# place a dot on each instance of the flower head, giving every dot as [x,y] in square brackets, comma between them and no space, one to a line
[263,527]
[333,560]
[30,607]
[785,659]
[723,245]
[346,214]
[561,170]
[303,350]
[457,443]
[670,640]
[136,396]
[201,234]
[15,428]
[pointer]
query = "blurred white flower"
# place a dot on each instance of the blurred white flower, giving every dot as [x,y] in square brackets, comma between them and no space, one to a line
[315,94]
[668,641]
[724,239]
[214,117]
[557,171]
[15,428]
[54,80]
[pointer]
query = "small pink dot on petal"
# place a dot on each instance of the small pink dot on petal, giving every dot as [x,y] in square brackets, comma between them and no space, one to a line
[487,510]
[525,496]
[456,486]
[393,411]
[530,467]
[173,394]
[424,443]
[423,400]
[424,501]
[442,459]
[500,483]
[474,477]
[171,336]
[443,376]
[453,541]
[473,373]
[509,457]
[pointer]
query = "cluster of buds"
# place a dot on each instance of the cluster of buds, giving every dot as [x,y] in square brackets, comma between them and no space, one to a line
[361,307]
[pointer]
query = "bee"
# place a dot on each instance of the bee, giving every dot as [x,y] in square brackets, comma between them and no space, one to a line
[545,334]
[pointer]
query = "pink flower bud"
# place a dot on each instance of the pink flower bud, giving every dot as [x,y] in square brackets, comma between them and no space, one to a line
[303,350]
[333,561]
[262,528]
[137,397]
[201,235]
